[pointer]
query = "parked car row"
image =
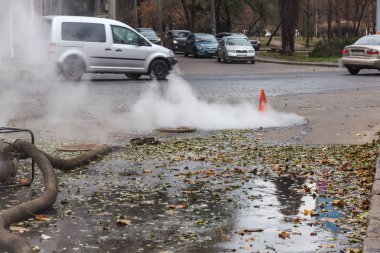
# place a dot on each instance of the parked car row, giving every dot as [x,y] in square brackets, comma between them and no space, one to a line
[228,47]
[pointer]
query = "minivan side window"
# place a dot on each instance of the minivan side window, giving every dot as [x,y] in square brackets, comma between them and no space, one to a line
[123,35]
[78,31]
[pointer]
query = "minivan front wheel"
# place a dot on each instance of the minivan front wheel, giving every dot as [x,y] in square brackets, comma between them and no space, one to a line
[73,68]
[160,69]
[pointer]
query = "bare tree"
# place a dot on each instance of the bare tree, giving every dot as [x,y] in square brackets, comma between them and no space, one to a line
[289,11]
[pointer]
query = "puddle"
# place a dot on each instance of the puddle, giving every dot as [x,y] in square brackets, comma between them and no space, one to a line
[181,206]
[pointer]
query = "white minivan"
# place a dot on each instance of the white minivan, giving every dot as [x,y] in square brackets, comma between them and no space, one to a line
[98,45]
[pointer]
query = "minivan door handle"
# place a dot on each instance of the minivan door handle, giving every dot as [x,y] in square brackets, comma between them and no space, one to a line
[118,50]
[108,49]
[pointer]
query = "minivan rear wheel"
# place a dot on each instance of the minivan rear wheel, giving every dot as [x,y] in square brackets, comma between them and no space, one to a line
[73,68]
[133,76]
[160,69]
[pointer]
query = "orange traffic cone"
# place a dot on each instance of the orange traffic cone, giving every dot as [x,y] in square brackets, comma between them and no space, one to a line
[263,102]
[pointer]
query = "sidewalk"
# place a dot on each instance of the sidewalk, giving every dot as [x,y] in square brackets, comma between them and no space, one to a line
[279,61]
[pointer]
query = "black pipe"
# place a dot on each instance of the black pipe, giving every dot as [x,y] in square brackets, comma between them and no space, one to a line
[13,243]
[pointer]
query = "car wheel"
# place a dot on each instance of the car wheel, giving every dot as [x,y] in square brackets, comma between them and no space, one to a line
[253,62]
[133,76]
[186,53]
[353,71]
[73,68]
[160,69]
[195,54]
[218,58]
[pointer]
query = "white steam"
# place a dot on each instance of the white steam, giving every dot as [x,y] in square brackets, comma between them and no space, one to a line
[178,106]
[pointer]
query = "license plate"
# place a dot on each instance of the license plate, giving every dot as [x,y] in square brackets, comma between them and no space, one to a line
[211,52]
[241,55]
[357,53]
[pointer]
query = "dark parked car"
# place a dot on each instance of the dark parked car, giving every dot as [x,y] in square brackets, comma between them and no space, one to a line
[255,43]
[201,44]
[175,40]
[150,34]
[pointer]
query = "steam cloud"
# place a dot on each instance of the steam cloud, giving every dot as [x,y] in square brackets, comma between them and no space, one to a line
[178,106]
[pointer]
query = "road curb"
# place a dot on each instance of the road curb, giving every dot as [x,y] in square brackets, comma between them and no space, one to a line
[316,64]
[371,243]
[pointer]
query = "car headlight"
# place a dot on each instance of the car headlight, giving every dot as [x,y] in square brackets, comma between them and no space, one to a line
[172,54]
[199,47]
[251,51]
[158,39]
[231,51]
[175,42]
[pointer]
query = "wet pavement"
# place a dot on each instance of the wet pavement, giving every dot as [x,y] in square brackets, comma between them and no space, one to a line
[219,192]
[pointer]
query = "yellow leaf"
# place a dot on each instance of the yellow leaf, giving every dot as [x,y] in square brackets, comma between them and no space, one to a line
[18,229]
[42,217]
[338,202]
[123,222]
[310,212]
[283,235]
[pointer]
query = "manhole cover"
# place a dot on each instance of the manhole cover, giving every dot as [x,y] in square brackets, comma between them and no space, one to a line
[177,130]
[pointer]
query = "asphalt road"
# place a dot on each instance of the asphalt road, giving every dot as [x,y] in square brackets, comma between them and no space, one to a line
[339,108]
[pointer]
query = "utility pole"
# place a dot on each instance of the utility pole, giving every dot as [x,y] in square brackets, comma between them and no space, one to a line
[112,9]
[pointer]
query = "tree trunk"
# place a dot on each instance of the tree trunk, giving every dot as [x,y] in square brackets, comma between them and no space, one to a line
[307,25]
[329,20]
[228,20]
[273,33]
[192,23]
[360,16]
[186,11]
[289,10]
[252,24]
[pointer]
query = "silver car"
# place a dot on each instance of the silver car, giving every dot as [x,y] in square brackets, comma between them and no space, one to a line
[81,45]
[363,54]
[234,48]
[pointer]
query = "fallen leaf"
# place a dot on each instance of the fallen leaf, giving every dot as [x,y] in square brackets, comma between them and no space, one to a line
[18,229]
[45,237]
[327,246]
[310,212]
[338,202]
[250,239]
[283,235]
[42,217]
[123,222]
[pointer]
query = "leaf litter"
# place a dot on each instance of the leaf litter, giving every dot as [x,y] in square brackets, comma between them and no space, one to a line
[181,193]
